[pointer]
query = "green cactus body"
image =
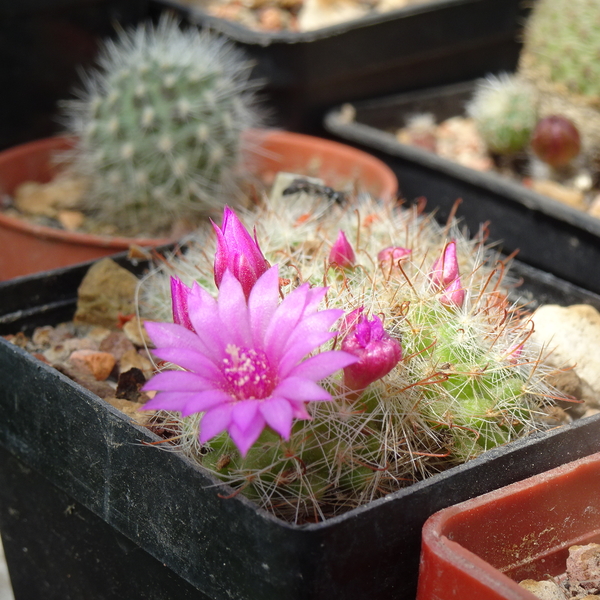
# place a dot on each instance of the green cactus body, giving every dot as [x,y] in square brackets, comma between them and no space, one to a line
[458,391]
[504,109]
[160,127]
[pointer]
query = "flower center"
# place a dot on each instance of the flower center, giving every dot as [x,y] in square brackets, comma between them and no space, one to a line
[248,373]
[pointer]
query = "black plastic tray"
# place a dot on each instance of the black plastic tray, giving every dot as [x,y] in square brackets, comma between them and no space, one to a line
[548,234]
[92,462]
[436,42]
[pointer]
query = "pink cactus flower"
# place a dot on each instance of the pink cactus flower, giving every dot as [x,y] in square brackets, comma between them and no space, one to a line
[245,364]
[341,252]
[377,351]
[392,254]
[179,303]
[454,294]
[445,269]
[238,252]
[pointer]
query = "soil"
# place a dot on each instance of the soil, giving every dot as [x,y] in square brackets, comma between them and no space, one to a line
[581,579]
[457,139]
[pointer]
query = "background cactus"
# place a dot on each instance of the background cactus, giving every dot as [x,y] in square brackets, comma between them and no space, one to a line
[504,109]
[160,125]
[468,379]
[561,57]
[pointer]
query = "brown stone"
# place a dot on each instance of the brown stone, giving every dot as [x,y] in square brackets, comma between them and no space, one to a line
[583,566]
[99,364]
[134,410]
[568,196]
[71,220]
[136,332]
[134,360]
[117,343]
[106,293]
[49,198]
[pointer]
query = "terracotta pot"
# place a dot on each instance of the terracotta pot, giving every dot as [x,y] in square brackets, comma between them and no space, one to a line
[28,248]
[482,547]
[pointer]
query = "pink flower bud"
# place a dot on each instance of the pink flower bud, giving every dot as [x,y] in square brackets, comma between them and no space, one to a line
[392,254]
[341,252]
[238,252]
[556,140]
[179,303]
[445,269]
[377,351]
[454,294]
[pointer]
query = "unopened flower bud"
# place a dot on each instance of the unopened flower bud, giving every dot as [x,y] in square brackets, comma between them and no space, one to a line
[377,351]
[179,303]
[454,294]
[392,254]
[445,269]
[341,252]
[238,252]
[556,140]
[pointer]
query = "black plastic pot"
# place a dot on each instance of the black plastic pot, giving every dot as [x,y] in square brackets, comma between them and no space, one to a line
[436,42]
[42,45]
[548,234]
[85,504]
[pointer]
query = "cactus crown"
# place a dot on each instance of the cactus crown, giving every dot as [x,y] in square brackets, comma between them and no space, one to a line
[562,46]
[468,379]
[504,109]
[160,126]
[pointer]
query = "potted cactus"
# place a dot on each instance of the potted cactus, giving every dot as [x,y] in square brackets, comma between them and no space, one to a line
[528,148]
[431,366]
[162,133]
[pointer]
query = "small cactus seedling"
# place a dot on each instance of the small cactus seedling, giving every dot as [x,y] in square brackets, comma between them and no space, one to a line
[431,364]
[504,109]
[159,126]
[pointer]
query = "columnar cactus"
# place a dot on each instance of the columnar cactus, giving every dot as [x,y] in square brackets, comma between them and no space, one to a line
[438,366]
[504,109]
[160,126]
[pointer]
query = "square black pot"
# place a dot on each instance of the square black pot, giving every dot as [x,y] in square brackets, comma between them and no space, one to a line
[549,235]
[93,463]
[436,42]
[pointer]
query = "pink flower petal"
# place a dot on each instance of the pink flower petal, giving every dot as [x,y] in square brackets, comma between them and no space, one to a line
[177,381]
[171,335]
[190,360]
[204,315]
[244,439]
[243,413]
[322,365]
[203,401]
[278,415]
[262,304]
[233,311]
[295,388]
[215,421]
[171,401]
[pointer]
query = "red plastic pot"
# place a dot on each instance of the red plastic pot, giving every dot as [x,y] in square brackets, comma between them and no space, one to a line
[480,549]
[28,248]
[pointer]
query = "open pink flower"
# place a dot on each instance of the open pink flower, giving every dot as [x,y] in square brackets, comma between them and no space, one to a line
[238,252]
[378,353]
[179,303]
[341,252]
[246,365]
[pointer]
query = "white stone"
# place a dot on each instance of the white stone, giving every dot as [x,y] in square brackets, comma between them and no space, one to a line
[573,335]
